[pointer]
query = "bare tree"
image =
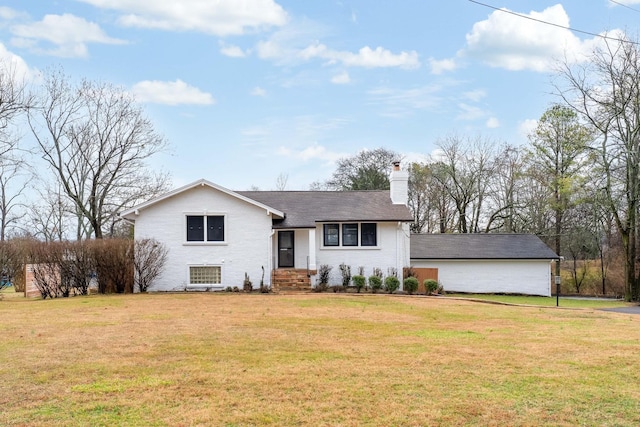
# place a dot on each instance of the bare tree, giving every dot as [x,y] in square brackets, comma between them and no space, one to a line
[281,182]
[96,140]
[149,259]
[14,101]
[467,166]
[12,171]
[605,91]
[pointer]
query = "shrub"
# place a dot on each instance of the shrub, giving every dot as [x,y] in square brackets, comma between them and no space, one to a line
[338,288]
[430,286]
[149,259]
[359,281]
[391,284]
[410,285]
[323,274]
[320,287]
[345,271]
[375,283]
[247,286]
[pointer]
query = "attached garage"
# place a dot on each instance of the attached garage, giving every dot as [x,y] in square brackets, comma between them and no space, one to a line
[486,263]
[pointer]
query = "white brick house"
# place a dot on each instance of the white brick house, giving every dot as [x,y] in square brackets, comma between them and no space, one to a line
[215,235]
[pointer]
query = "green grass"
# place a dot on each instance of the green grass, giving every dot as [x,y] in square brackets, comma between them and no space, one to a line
[313,359]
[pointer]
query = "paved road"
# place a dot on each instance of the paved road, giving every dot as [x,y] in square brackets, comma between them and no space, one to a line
[629,310]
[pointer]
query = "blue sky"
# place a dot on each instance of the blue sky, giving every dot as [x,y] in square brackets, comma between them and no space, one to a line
[247,90]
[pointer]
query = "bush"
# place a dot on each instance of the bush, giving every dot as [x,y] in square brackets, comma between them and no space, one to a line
[391,284]
[430,286]
[410,285]
[247,286]
[375,283]
[359,281]
[338,288]
[345,271]
[323,278]
[149,259]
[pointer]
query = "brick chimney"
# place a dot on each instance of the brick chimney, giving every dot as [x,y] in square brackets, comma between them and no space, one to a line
[399,181]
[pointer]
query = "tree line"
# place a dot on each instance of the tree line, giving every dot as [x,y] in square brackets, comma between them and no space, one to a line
[576,183]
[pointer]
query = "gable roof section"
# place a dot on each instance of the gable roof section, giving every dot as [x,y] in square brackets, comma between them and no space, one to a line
[131,213]
[303,209]
[479,246]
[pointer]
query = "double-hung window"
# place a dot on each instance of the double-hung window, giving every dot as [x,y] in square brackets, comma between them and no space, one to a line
[331,234]
[205,228]
[350,234]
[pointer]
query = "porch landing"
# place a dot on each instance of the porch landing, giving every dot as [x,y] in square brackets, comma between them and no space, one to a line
[291,279]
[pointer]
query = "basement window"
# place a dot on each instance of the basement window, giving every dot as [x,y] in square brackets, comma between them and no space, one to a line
[205,275]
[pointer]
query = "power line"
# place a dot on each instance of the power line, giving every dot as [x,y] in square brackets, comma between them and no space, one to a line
[624,5]
[575,30]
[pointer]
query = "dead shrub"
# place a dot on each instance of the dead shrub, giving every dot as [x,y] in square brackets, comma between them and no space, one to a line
[114,265]
[149,259]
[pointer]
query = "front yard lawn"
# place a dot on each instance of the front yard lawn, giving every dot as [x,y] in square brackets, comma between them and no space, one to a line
[313,359]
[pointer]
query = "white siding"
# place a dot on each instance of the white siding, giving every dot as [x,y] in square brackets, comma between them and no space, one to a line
[529,277]
[247,235]
[392,251]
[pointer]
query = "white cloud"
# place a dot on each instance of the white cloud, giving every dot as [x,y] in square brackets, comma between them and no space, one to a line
[341,79]
[298,43]
[258,91]
[443,65]
[171,93]
[405,102]
[475,95]
[470,112]
[69,33]
[15,64]
[10,14]
[516,43]
[313,152]
[220,17]
[493,123]
[366,57]
[526,127]
[232,51]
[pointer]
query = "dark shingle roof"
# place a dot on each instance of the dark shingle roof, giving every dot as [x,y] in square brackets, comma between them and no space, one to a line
[479,246]
[304,208]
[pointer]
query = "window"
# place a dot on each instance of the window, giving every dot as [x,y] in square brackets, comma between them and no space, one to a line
[368,234]
[205,275]
[353,234]
[349,234]
[331,235]
[196,230]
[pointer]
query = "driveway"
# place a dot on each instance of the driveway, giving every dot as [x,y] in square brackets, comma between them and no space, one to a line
[627,310]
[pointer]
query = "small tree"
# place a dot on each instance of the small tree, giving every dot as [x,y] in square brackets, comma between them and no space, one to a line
[149,259]
[323,277]
[391,284]
[375,283]
[359,281]
[345,271]
[410,285]
[431,286]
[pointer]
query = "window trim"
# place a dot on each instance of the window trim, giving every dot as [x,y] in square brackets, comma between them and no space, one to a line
[325,235]
[204,216]
[344,227]
[341,245]
[375,235]
[190,283]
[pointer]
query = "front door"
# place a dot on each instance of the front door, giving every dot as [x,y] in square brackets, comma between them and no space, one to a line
[285,248]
